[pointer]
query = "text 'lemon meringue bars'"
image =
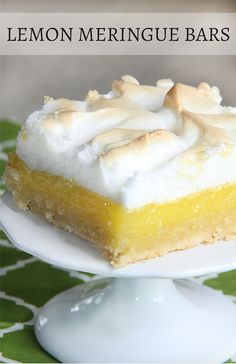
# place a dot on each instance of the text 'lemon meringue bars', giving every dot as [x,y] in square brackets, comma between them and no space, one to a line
[139,172]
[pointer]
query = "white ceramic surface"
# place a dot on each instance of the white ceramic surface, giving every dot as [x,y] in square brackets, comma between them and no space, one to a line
[37,237]
[143,320]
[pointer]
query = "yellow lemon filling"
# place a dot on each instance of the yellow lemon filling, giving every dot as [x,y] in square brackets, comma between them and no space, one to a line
[124,236]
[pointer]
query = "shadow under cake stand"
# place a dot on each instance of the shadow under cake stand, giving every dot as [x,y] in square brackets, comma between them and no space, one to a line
[146,312]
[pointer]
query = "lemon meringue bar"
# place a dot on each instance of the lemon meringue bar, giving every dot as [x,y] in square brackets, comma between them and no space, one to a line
[139,172]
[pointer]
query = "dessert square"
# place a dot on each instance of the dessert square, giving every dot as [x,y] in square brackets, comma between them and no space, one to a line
[138,172]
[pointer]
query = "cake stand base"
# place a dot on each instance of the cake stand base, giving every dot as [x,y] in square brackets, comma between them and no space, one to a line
[138,320]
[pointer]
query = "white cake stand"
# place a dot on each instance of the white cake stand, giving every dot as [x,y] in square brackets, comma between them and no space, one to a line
[138,314]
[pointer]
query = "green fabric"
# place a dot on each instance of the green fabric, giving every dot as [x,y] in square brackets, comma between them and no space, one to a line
[11,312]
[27,283]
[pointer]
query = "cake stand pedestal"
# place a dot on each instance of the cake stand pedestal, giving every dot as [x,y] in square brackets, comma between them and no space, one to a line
[147,312]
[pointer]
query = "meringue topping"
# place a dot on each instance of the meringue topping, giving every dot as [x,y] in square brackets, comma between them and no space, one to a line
[136,144]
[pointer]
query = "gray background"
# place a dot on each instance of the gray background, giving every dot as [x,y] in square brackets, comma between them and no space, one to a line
[26,79]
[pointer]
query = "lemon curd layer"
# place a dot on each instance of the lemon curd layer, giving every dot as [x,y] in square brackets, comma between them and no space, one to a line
[124,235]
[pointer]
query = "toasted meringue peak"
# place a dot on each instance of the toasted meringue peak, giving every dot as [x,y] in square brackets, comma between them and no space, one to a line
[165,82]
[136,144]
[131,79]
[47,99]
[197,100]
